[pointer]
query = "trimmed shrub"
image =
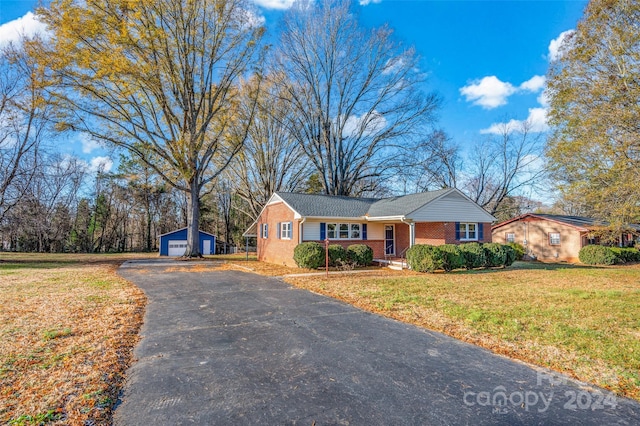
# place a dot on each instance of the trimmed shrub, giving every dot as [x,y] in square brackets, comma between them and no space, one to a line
[518,249]
[337,255]
[309,255]
[473,255]
[452,257]
[597,255]
[494,255]
[360,254]
[425,258]
[511,255]
[626,255]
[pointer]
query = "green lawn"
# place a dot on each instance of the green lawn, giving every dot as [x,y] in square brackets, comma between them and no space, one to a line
[584,321]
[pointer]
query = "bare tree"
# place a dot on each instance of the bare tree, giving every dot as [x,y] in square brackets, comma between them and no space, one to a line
[41,218]
[23,124]
[272,160]
[158,78]
[435,164]
[504,165]
[356,93]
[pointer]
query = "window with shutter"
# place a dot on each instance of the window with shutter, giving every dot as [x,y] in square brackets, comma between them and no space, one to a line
[468,231]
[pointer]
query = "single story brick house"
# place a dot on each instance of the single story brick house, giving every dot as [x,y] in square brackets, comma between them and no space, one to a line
[553,238]
[388,225]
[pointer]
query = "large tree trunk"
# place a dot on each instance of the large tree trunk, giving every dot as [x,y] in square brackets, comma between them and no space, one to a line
[193,220]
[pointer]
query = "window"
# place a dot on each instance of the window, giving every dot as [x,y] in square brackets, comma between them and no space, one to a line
[554,238]
[345,231]
[285,230]
[331,231]
[355,231]
[265,230]
[511,237]
[468,231]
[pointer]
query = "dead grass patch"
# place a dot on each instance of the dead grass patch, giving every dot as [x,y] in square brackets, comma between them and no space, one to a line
[194,268]
[262,268]
[68,325]
[581,321]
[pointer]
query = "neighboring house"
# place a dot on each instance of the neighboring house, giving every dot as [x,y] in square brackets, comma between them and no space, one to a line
[174,243]
[552,238]
[388,225]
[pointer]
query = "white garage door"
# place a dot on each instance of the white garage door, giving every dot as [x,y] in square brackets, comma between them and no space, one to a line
[177,247]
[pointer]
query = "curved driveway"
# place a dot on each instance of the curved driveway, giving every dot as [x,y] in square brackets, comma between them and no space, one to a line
[225,347]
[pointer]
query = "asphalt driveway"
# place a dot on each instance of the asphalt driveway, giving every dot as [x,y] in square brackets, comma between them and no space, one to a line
[238,348]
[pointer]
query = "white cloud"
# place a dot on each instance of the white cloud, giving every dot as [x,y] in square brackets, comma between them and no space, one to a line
[274,4]
[536,122]
[28,25]
[254,20]
[367,2]
[489,92]
[103,164]
[555,45]
[543,99]
[88,143]
[534,84]
[369,125]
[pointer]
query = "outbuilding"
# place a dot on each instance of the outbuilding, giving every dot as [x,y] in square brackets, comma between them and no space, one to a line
[557,238]
[174,243]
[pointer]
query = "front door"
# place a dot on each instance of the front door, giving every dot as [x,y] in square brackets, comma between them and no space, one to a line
[206,247]
[389,241]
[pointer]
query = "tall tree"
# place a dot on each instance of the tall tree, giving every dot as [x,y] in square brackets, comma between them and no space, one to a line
[147,190]
[594,88]
[272,160]
[435,165]
[357,94]
[505,165]
[24,112]
[156,77]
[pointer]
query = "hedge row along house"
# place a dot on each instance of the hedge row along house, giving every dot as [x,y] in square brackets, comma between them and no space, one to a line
[553,238]
[388,225]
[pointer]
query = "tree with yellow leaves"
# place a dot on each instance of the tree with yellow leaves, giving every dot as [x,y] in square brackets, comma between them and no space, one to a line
[594,89]
[158,78]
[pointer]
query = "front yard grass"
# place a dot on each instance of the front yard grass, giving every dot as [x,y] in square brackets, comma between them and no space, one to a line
[582,321]
[68,324]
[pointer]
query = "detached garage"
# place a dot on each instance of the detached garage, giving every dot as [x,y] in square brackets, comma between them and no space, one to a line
[174,243]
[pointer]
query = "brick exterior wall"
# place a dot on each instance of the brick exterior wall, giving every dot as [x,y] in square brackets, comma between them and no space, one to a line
[437,233]
[402,238]
[434,233]
[536,232]
[273,249]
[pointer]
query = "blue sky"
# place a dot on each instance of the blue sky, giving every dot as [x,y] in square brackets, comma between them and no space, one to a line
[487,59]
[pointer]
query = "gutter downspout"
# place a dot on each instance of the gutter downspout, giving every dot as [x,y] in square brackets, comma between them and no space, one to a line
[300,230]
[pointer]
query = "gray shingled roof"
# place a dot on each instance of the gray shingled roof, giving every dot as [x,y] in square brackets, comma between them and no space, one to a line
[314,205]
[403,205]
[584,222]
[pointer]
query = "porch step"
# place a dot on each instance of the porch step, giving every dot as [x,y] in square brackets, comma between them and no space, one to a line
[396,265]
